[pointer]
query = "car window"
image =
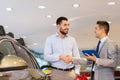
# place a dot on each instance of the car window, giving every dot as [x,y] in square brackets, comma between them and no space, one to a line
[21,52]
[6,48]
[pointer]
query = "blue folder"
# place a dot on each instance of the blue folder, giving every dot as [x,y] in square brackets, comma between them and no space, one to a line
[90,52]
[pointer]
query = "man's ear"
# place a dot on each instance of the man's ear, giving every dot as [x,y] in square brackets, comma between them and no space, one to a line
[103,30]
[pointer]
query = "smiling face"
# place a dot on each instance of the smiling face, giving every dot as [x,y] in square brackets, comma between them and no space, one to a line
[63,27]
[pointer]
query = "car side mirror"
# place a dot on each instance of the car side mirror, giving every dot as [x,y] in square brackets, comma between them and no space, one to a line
[11,62]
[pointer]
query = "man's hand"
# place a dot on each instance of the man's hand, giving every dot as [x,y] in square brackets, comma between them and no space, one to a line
[93,57]
[66,58]
[69,58]
[62,57]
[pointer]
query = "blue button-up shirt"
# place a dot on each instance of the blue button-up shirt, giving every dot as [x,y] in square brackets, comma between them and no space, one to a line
[55,46]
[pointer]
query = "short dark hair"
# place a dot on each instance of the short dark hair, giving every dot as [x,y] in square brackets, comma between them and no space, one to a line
[105,25]
[59,20]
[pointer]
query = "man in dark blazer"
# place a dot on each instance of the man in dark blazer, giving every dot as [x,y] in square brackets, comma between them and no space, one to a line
[103,67]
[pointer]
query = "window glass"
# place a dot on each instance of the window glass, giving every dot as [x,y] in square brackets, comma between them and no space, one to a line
[21,52]
[6,48]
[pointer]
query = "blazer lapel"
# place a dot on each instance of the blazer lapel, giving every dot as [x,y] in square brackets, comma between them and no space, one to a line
[103,45]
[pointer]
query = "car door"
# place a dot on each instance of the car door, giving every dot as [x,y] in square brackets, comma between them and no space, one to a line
[12,47]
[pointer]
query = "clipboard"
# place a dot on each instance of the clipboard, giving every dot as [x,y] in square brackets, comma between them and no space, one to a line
[90,52]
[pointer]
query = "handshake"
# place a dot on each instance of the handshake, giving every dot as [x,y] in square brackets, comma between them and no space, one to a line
[66,58]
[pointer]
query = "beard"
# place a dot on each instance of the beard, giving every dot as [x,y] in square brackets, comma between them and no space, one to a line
[63,31]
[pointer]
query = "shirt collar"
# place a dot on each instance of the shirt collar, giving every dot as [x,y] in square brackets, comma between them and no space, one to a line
[57,35]
[103,39]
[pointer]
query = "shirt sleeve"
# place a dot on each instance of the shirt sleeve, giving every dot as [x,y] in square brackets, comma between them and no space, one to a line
[48,54]
[76,54]
[75,50]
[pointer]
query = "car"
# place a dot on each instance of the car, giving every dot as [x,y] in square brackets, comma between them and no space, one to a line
[17,62]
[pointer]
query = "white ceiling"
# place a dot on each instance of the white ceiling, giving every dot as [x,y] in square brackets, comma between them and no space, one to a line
[26,19]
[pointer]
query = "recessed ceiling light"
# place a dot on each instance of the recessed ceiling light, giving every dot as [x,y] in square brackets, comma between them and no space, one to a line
[24,37]
[111,3]
[109,22]
[54,24]
[8,9]
[6,26]
[35,44]
[49,16]
[41,7]
[76,5]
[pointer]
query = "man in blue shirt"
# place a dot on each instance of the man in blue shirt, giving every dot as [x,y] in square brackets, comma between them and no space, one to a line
[58,48]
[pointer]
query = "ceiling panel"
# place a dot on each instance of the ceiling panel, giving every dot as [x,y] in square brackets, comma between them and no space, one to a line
[27,20]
